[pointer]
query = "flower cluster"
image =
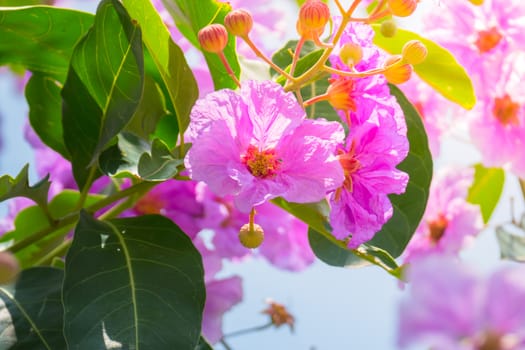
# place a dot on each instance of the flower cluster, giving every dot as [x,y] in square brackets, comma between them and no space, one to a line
[450,306]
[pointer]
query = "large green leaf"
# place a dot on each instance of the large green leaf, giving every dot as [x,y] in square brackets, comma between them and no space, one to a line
[137,282]
[45,111]
[103,87]
[409,207]
[169,58]
[440,69]
[19,187]
[486,189]
[41,38]
[31,313]
[190,17]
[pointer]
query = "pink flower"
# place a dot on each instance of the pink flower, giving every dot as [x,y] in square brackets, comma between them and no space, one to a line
[449,306]
[257,145]
[450,222]
[498,128]
[372,90]
[479,36]
[369,158]
[433,109]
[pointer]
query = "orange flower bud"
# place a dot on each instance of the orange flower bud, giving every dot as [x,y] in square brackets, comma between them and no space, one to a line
[251,239]
[477,2]
[414,52]
[238,22]
[314,14]
[402,8]
[351,54]
[397,70]
[388,28]
[213,38]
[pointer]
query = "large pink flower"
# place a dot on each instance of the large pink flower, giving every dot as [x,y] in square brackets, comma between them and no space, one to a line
[449,223]
[257,145]
[373,150]
[450,307]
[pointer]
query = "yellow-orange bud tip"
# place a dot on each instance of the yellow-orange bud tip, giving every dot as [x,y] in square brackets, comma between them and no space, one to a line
[213,38]
[238,22]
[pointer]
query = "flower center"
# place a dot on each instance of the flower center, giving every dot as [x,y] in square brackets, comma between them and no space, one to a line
[505,110]
[437,228]
[150,204]
[350,165]
[488,39]
[261,164]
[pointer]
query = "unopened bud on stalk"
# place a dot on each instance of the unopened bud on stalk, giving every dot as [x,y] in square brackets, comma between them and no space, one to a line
[238,22]
[9,268]
[398,70]
[213,38]
[402,8]
[388,28]
[351,54]
[313,15]
[251,238]
[414,52]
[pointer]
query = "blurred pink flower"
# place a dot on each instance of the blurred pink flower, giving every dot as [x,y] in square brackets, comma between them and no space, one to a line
[449,307]
[479,36]
[434,109]
[285,242]
[221,294]
[369,158]
[498,127]
[450,222]
[257,145]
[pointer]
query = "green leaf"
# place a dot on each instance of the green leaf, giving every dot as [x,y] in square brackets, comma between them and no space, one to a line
[122,159]
[511,240]
[169,58]
[31,314]
[160,165]
[331,252]
[45,111]
[137,282]
[440,69]
[486,189]
[190,16]
[41,38]
[19,187]
[409,207]
[33,219]
[284,56]
[103,87]
[151,109]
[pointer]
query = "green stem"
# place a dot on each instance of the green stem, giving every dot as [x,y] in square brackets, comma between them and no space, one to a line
[60,250]
[248,330]
[522,186]
[226,345]
[85,190]
[71,218]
